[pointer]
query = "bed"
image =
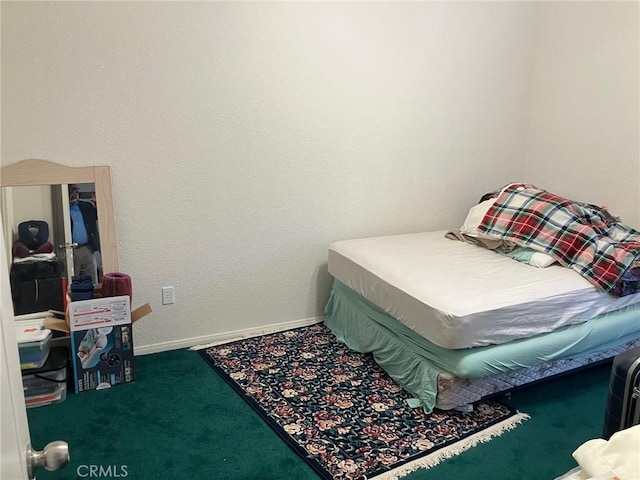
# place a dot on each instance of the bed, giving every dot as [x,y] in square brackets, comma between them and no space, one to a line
[453,321]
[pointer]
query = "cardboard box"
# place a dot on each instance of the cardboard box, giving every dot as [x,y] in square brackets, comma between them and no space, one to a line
[60,323]
[101,340]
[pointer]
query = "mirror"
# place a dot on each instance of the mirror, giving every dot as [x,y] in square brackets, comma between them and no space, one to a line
[41,191]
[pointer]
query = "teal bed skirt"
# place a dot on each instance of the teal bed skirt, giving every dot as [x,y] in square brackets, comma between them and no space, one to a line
[415,363]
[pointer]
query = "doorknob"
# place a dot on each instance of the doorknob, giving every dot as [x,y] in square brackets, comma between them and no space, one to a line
[54,456]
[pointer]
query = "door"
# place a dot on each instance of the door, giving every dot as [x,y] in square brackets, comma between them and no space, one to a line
[15,429]
[62,227]
[17,460]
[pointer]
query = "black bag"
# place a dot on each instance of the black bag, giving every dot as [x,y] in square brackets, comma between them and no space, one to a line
[37,286]
[623,400]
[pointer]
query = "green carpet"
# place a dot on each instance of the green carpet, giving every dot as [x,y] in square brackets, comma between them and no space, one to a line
[179,420]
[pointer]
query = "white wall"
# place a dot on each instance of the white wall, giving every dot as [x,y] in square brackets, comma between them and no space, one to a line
[244,137]
[584,136]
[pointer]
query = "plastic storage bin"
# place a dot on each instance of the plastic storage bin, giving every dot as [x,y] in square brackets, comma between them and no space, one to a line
[47,384]
[33,344]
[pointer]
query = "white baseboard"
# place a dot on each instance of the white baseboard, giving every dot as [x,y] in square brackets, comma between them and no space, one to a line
[196,343]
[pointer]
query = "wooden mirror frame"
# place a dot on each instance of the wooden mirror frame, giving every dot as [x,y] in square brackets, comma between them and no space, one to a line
[34,172]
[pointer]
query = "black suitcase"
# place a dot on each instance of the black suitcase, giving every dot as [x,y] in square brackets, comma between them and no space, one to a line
[623,400]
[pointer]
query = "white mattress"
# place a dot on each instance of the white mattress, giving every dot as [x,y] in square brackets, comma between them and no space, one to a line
[459,295]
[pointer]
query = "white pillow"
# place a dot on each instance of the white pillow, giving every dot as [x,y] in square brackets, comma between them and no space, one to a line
[541,260]
[477,213]
[474,218]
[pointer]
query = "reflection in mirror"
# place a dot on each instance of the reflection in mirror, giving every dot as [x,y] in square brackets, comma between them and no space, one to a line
[59,229]
[58,223]
[37,271]
[85,239]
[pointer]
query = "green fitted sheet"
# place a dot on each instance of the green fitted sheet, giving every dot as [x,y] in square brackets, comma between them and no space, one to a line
[415,363]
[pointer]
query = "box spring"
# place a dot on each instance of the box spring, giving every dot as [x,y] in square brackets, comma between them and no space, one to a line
[454,391]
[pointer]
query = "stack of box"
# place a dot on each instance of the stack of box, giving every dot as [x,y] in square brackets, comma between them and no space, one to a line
[101,343]
[97,349]
[44,369]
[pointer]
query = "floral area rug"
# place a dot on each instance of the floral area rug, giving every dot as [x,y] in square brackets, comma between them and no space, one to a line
[341,412]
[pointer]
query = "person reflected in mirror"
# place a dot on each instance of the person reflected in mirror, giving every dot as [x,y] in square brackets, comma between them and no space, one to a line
[84,232]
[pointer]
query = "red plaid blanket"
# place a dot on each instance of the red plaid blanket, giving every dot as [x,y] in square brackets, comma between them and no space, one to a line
[582,237]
